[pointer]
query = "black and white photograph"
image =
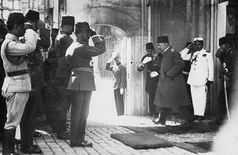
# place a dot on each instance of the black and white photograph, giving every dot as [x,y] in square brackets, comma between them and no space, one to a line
[119,77]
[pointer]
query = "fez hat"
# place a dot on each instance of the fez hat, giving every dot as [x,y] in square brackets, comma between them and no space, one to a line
[82,26]
[222,41]
[54,30]
[67,20]
[149,45]
[15,18]
[230,37]
[162,39]
[32,16]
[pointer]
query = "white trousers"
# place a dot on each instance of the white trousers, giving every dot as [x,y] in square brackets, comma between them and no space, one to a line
[199,98]
[16,103]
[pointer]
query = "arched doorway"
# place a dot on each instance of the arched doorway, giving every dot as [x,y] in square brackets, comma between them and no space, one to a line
[102,102]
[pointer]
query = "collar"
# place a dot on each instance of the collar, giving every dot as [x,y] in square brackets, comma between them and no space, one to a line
[11,37]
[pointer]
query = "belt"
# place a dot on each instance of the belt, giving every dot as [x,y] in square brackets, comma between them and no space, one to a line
[82,69]
[16,73]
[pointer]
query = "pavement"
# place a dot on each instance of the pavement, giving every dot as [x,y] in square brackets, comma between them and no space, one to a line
[103,122]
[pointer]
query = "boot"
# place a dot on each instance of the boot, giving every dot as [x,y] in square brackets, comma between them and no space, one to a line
[8,142]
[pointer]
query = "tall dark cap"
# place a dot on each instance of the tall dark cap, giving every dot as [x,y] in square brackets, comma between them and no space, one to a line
[149,45]
[222,41]
[162,39]
[54,30]
[68,20]
[32,15]
[230,37]
[15,18]
[82,26]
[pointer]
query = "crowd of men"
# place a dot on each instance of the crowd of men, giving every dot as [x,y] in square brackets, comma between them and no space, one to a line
[177,80]
[32,86]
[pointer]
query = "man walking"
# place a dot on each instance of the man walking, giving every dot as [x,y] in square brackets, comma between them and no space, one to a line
[171,91]
[17,84]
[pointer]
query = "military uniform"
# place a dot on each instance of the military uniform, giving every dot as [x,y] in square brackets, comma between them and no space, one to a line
[119,73]
[17,84]
[227,60]
[151,82]
[201,71]
[62,75]
[82,83]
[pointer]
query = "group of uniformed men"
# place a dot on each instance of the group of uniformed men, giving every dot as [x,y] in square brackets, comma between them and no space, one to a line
[67,74]
[166,86]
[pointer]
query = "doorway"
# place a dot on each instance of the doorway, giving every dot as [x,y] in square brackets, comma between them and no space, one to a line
[102,107]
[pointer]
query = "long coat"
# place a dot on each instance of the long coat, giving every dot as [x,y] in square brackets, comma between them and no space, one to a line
[171,90]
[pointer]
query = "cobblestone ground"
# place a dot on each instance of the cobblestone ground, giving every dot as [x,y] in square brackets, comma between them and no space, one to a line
[99,135]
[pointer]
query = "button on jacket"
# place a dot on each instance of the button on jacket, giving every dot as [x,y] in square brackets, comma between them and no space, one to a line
[20,83]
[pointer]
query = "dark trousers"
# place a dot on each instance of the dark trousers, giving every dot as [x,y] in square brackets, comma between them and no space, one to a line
[119,101]
[163,112]
[152,106]
[79,115]
[3,112]
[28,120]
[63,99]
[221,111]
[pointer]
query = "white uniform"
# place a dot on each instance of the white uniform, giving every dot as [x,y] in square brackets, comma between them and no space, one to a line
[201,71]
[16,88]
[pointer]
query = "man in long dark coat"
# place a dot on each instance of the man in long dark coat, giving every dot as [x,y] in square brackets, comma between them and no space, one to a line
[171,91]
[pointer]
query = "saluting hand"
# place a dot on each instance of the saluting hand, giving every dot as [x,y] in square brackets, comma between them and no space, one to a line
[121,91]
[146,60]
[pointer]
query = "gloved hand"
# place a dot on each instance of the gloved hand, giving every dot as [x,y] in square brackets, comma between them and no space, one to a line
[146,60]
[154,74]
[209,83]
[224,71]
[121,91]
[92,33]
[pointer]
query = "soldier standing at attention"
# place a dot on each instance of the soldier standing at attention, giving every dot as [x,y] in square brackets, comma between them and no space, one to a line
[227,57]
[201,75]
[151,61]
[17,84]
[34,104]
[119,73]
[62,75]
[81,83]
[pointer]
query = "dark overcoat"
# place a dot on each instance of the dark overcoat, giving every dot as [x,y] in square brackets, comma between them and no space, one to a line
[171,90]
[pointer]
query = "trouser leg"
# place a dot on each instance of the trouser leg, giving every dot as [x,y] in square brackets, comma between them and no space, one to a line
[119,102]
[199,98]
[79,114]
[163,115]
[8,146]
[151,103]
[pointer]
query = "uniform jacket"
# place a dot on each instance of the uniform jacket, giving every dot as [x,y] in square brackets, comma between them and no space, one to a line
[79,57]
[62,42]
[201,67]
[171,90]
[154,65]
[35,59]
[119,73]
[20,83]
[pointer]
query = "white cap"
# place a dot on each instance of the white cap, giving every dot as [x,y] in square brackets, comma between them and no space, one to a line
[198,39]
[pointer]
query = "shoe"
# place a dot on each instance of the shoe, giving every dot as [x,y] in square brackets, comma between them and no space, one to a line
[31,149]
[157,121]
[63,135]
[83,144]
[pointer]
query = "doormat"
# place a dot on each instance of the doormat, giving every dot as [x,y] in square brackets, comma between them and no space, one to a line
[141,140]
